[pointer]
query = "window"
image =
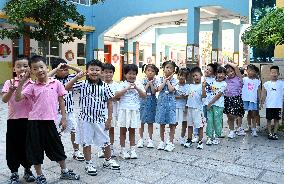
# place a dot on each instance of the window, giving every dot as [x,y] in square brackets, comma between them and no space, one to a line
[83,2]
[81,54]
[50,50]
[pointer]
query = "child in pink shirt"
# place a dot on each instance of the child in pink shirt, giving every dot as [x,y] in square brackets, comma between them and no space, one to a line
[45,95]
[17,124]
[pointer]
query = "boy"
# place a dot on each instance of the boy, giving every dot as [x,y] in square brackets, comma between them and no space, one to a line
[93,124]
[272,96]
[42,135]
[17,124]
[60,69]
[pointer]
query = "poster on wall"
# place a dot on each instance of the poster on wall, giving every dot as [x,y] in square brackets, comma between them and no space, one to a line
[5,50]
[189,53]
[99,55]
[130,58]
[214,56]
[115,60]
[196,54]
[220,58]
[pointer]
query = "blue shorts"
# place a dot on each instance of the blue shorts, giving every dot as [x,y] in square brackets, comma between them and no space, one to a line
[251,106]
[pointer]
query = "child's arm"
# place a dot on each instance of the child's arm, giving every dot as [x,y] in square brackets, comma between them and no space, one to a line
[214,100]
[62,111]
[120,93]
[7,96]
[53,72]
[70,84]
[77,70]
[19,96]
[109,108]
[237,70]
[161,86]
[203,95]
[152,86]
[140,91]
[263,97]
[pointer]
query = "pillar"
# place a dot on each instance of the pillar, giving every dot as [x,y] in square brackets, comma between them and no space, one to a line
[217,41]
[236,56]
[94,46]
[167,52]
[136,53]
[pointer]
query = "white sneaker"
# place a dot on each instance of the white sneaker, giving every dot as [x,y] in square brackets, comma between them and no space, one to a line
[169,147]
[232,134]
[78,155]
[216,141]
[101,154]
[253,132]
[124,154]
[188,143]
[111,164]
[200,145]
[182,141]
[150,144]
[91,170]
[209,141]
[195,139]
[133,154]
[241,132]
[140,143]
[161,146]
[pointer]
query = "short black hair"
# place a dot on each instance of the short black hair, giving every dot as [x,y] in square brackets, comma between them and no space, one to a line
[130,67]
[252,67]
[108,66]
[154,67]
[22,57]
[94,62]
[56,62]
[221,69]
[36,59]
[183,71]
[196,69]
[172,63]
[274,67]
[214,67]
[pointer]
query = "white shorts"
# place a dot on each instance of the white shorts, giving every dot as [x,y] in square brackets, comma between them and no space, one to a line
[129,118]
[88,134]
[70,121]
[114,121]
[181,115]
[195,118]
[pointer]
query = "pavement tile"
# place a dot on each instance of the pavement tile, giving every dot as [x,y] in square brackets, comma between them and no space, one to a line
[273,177]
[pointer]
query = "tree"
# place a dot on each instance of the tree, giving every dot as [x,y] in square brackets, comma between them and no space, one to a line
[46,18]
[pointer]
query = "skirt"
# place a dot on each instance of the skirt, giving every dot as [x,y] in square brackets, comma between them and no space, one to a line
[129,118]
[234,106]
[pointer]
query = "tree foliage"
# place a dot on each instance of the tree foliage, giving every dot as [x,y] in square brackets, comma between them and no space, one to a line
[47,20]
[268,31]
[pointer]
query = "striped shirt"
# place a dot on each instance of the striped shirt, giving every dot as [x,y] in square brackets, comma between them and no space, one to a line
[68,98]
[92,100]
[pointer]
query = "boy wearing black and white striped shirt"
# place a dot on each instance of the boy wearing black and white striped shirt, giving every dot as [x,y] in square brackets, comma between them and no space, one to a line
[93,125]
[60,71]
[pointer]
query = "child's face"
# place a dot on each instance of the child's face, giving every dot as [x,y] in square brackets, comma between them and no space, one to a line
[108,75]
[274,74]
[221,77]
[39,69]
[150,73]
[62,72]
[182,78]
[94,72]
[169,70]
[131,76]
[209,71]
[251,73]
[21,66]
[196,77]
[230,72]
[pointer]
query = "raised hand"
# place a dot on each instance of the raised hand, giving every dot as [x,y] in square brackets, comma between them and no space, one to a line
[81,75]
[12,86]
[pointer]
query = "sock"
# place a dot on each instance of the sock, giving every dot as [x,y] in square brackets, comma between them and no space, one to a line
[64,170]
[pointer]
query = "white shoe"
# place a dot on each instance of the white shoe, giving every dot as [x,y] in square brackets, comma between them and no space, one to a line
[161,146]
[124,154]
[111,164]
[209,141]
[231,135]
[200,145]
[188,143]
[150,144]
[91,170]
[195,139]
[140,143]
[101,154]
[241,132]
[253,132]
[169,147]
[182,141]
[133,154]
[78,155]
[215,141]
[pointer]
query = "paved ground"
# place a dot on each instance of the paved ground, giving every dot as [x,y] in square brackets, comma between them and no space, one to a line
[242,160]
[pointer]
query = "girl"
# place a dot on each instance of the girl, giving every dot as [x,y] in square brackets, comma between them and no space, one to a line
[181,97]
[233,101]
[215,108]
[149,104]
[129,105]
[250,95]
[166,105]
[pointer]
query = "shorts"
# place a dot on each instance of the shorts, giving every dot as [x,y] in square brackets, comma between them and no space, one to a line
[273,113]
[234,106]
[88,134]
[129,118]
[181,115]
[195,118]
[250,106]
[70,121]
[42,136]
[114,121]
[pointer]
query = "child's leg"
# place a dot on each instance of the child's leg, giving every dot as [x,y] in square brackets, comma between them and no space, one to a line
[239,122]
[87,150]
[150,130]
[107,152]
[253,119]
[111,135]
[131,136]
[122,136]
[249,119]
[38,169]
[231,121]
[257,118]
[141,130]
[210,121]
[269,126]
[190,132]
[172,133]
[276,125]
[200,131]
[162,132]
[75,146]
[218,119]
[183,128]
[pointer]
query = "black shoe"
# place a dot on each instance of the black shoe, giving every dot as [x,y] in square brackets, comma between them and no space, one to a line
[28,176]
[14,179]
[270,136]
[274,137]
[40,180]
[69,175]
[188,143]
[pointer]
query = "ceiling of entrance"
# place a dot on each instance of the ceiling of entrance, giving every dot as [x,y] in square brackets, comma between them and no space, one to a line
[131,27]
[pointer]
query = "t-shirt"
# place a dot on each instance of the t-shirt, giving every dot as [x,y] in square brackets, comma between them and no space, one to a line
[181,90]
[44,97]
[130,100]
[194,99]
[114,86]
[234,86]
[21,109]
[219,87]
[250,89]
[209,90]
[274,97]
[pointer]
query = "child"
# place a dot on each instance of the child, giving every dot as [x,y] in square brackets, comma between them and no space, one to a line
[148,104]
[166,105]
[233,102]
[17,124]
[60,69]
[181,97]
[42,135]
[129,93]
[215,108]
[93,125]
[108,70]
[195,118]
[272,96]
[250,95]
